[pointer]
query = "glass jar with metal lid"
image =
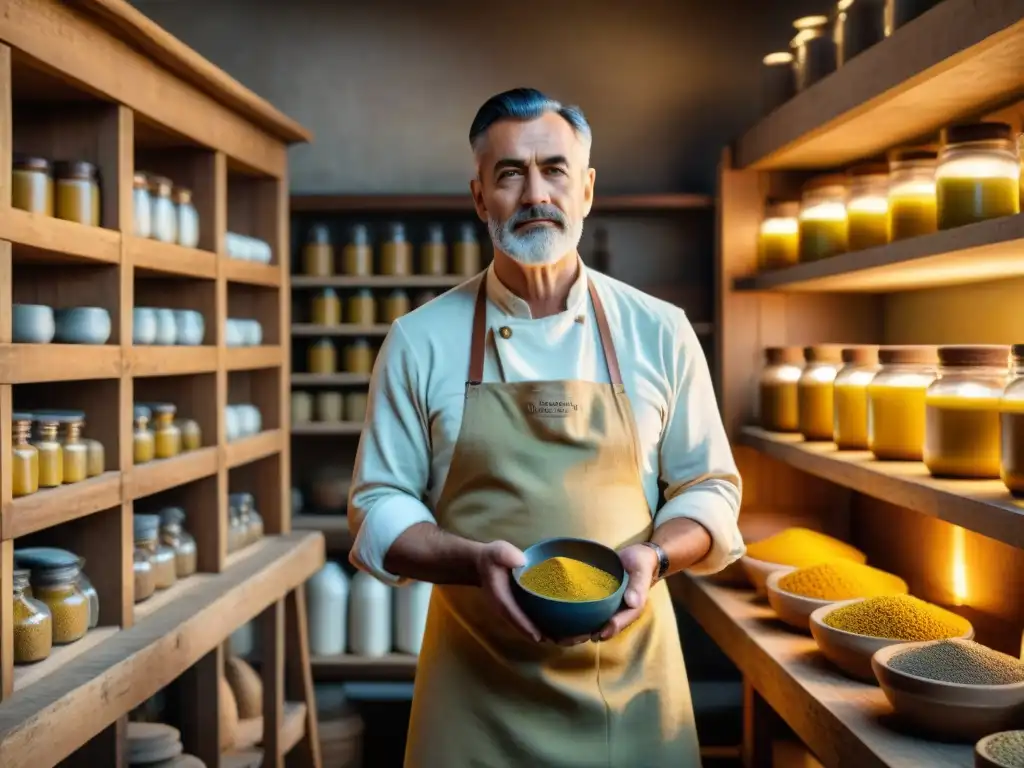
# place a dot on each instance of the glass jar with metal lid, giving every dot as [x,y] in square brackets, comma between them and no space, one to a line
[76,453]
[961,430]
[814,51]
[31,185]
[51,455]
[978,175]
[777,387]
[317,252]
[174,535]
[322,357]
[302,407]
[142,222]
[1011,426]
[236,531]
[191,434]
[32,622]
[859,25]
[357,255]
[166,434]
[329,406]
[143,444]
[249,518]
[326,308]
[896,410]
[161,557]
[467,251]
[24,457]
[55,575]
[815,402]
[162,217]
[359,357]
[778,239]
[362,310]
[778,84]
[396,253]
[186,217]
[850,395]
[912,204]
[823,222]
[395,305]
[867,205]
[434,252]
[76,192]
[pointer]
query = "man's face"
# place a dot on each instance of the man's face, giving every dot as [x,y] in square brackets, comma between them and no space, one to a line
[534,188]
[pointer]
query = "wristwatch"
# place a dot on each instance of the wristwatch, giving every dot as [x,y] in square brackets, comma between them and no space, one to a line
[662,559]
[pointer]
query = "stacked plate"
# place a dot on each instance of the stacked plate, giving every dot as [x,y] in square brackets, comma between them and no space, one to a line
[155,745]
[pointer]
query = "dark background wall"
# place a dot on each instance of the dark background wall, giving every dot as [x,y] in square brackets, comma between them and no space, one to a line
[390,87]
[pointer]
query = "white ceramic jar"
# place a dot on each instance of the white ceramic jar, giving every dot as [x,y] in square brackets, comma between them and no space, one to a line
[141,220]
[187,218]
[163,220]
[232,423]
[166,328]
[144,325]
[327,596]
[369,621]
[411,604]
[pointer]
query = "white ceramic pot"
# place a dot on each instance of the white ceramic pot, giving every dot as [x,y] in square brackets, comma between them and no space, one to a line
[232,423]
[411,605]
[233,336]
[166,328]
[82,325]
[144,325]
[252,332]
[327,597]
[32,324]
[189,327]
[369,617]
[250,422]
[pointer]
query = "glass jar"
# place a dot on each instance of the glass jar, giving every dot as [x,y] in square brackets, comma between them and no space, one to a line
[814,51]
[90,593]
[142,575]
[166,435]
[76,454]
[323,358]
[76,192]
[359,357]
[326,308]
[777,387]
[867,206]
[823,222]
[191,434]
[317,252]
[302,408]
[236,531]
[357,255]
[162,218]
[24,457]
[161,557]
[31,185]
[778,240]
[859,25]
[174,535]
[362,310]
[330,406]
[58,587]
[899,12]
[815,401]
[32,622]
[355,407]
[896,410]
[1011,427]
[961,428]
[142,223]
[143,444]
[423,297]
[250,518]
[395,305]
[912,206]
[778,84]
[96,457]
[51,455]
[434,252]
[396,253]
[186,217]
[978,175]
[850,395]
[467,251]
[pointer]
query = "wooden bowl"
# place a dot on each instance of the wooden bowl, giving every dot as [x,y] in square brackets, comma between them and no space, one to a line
[950,711]
[982,759]
[851,652]
[759,570]
[791,608]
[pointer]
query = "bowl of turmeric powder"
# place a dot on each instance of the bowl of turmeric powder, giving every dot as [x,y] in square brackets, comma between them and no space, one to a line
[569,587]
[793,548]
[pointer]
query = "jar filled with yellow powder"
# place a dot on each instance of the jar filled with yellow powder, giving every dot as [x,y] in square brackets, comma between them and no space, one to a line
[54,578]
[317,252]
[434,252]
[174,535]
[467,251]
[395,304]
[161,557]
[326,309]
[823,224]
[867,206]
[912,199]
[978,175]
[51,455]
[1011,427]
[302,407]
[322,357]
[396,253]
[31,185]
[330,406]
[359,357]
[76,453]
[24,457]
[166,435]
[896,408]
[961,431]
[850,396]
[357,255]
[778,388]
[76,192]
[191,434]
[32,622]
[362,310]
[815,402]
[778,239]
[143,443]
[97,456]
[563,578]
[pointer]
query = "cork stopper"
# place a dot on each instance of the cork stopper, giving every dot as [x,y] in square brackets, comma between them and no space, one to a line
[911,355]
[823,353]
[784,355]
[978,355]
[866,354]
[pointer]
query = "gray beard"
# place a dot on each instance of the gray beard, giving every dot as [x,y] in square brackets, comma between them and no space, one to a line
[537,246]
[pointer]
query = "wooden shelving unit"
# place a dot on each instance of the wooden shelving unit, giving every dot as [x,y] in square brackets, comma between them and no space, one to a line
[96,80]
[462,203]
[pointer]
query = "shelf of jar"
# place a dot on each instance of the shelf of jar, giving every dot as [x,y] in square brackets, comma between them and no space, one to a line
[31,363]
[983,506]
[241,271]
[333,527]
[253,358]
[463,203]
[102,683]
[48,240]
[328,428]
[988,250]
[344,329]
[842,721]
[151,256]
[378,281]
[52,506]
[956,60]
[246,450]
[171,360]
[163,474]
[328,379]
[26,675]
[348,667]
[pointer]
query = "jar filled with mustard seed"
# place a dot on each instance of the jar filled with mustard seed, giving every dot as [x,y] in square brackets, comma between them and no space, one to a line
[32,621]
[815,401]
[51,455]
[359,357]
[824,230]
[395,305]
[850,396]
[362,310]
[76,453]
[896,402]
[355,407]
[467,251]
[912,198]
[54,581]
[396,253]
[302,407]
[1011,426]
[962,405]
[357,255]
[978,175]
[143,443]
[778,239]
[326,308]
[31,185]
[24,457]
[166,435]
[76,192]
[317,252]
[778,388]
[867,205]
[330,406]
[434,252]
[191,434]
[322,358]
[161,557]
[142,224]
[163,219]
[174,535]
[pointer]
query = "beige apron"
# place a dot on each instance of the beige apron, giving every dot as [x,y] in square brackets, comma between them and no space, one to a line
[535,460]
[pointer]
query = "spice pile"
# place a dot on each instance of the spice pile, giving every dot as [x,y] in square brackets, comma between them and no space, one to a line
[841,580]
[960,661]
[897,617]
[1007,749]
[566,579]
[801,547]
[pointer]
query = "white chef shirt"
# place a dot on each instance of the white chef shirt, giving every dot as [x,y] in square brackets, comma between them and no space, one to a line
[417,394]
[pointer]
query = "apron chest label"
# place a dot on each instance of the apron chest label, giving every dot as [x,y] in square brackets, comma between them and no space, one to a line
[554,408]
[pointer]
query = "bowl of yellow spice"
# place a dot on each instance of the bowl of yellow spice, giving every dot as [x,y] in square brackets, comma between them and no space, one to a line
[569,587]
[793,548]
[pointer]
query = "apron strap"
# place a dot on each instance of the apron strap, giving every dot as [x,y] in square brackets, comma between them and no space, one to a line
[477,345]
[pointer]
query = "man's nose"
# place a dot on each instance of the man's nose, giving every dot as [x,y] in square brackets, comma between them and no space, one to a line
[535,190]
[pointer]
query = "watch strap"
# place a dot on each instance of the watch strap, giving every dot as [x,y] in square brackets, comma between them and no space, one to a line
[662,559]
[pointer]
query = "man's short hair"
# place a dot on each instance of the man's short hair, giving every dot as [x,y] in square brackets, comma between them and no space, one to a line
[526,104]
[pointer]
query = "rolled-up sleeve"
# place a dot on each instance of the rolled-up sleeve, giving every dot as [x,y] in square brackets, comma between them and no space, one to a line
[697,465]
[393,461]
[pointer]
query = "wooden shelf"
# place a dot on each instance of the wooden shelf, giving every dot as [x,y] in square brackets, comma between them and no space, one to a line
[53,506]
[253,358]
[100,684]
[984,506]
[30,363]
[60,656]
[240,271]
[249,449]
[48,240]
[333,527]
[293,728]
[328,428]
[347,668]
[378,281]
[164,474]
[171,361]
[151,257]
[989,250]
[842,721]
[953,62]
[462,203]
[345,329]
[328,379]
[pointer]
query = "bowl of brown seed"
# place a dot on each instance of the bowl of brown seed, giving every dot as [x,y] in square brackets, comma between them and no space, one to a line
[954,689]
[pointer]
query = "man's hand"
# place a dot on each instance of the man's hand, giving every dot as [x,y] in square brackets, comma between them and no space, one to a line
[495,562]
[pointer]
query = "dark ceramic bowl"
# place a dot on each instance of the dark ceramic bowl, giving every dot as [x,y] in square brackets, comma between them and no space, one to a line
[557,619]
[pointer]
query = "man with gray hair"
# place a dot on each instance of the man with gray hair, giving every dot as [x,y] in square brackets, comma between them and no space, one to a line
[543,399]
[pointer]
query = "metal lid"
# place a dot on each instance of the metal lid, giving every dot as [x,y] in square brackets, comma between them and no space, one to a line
[866,354]
[74,169]
[161,185]
[319,234]
[145,527]
[965,132]
[396,231]
[976,355]
[142,412]
[784,355]
[823,353]
[58,415]
[360,342]
[181,195]
[435,233]
[164,408]
[172,516]
[29,163]
[908,355]
[360,234]
[44,557]
[22,416]
[467,232]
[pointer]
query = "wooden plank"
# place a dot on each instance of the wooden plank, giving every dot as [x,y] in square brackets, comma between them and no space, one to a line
[93,690]
[170,259]
[988,250]
[349,667]
[294,727]
[249,449]
[171,361]
[842,721]
[61,655]
[984,506]
[53,506]
[272,652]
[27,363]
[343,329]
[253,358]
[328,428]
[333,527]
[238,271]
[957,60]
[303,736]
[200,698]
[329,379]
[464,203]
[46,240]
[378,281]
[164,474]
